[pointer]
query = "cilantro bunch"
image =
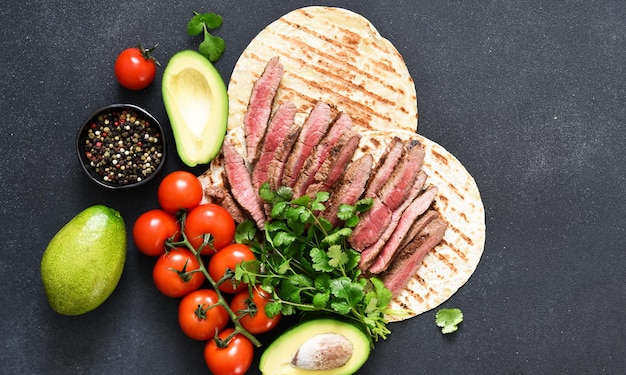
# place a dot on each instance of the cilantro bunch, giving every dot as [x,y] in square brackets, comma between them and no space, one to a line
[307,265]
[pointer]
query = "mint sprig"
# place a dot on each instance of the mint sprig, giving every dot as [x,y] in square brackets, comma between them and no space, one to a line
[307,265]
[212,47]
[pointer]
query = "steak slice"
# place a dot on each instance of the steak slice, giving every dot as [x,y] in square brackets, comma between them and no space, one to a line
[408,218]
[240,183]
[321,152]
[385,166]
[394,191]
[409,258]
[281,154]
[369,255]
[314,128]
[221,196]
[335,165]
[371,226]
[350,187]
[278,127]
[260,106]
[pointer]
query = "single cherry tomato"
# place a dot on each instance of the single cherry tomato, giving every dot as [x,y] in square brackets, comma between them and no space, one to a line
[252,311]
[176,273]
[179,190]
[135,68]
[234,359]
[199,315]
[152,229]
[209,219]
[225,259]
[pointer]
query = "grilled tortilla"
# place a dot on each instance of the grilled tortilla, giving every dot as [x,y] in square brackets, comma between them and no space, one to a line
[337,56]
[331,55]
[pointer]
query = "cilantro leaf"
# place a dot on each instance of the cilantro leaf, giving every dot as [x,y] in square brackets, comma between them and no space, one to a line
[212,47]
[336,257]
[448,319]
[320,260]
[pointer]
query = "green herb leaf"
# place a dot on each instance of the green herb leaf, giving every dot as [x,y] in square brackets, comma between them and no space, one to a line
[320,300]
[320,260]
[336,256]
[273,308]
[448,319]
[211,20]
[212,47]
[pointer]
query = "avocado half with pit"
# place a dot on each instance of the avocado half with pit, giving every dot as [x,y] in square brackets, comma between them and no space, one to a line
[320,347]
[196,102]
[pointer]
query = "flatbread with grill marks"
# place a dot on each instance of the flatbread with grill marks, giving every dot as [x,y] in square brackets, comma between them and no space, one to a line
[331,55]
[337,56]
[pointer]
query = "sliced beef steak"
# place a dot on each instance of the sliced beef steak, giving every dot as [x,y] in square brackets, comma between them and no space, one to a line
[320,153]
[222,197]
[314,128]
[371,226]
[240,183]
[350,188]
[409,258]
[276,166]
[335,165]
[369,255]
[394,191]
[408,218]
[385,166]
[260,106]
[277,129]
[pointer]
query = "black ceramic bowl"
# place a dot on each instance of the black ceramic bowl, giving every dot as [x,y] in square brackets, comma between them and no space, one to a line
[121,146]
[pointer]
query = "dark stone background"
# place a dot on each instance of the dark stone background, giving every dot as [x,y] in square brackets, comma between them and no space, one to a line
[528,95]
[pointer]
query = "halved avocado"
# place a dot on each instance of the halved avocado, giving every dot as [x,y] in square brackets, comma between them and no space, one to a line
[196,102]
[278,358]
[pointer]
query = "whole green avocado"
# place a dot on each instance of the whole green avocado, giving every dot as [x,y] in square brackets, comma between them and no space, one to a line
[83,262]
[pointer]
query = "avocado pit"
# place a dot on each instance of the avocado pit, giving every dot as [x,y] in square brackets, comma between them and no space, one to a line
[325,351]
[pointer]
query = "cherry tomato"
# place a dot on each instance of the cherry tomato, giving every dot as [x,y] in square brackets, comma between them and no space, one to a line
[256,320]
[174,273]
[198,315]
[179,190]
[134,68]
[227,258]
[152,229]
[235,359]
[210,219]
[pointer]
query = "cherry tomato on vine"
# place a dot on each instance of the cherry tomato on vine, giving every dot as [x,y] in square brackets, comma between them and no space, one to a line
[199,315]
[210,219]
[227,258]
[234,359]
[176,273]
[152,229]
[254,319]
[179,190]
[135,68]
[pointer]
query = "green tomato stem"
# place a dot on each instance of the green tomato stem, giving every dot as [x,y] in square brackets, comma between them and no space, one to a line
[221,300]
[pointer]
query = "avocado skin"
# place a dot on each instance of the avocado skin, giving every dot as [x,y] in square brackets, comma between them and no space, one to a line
[195,97]
[83,262]
[276,359]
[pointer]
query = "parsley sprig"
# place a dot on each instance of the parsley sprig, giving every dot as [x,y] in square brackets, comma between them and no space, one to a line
[307,265]
[212,47]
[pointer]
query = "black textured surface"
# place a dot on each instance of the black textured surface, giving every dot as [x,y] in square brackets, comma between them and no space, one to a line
[529,95]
